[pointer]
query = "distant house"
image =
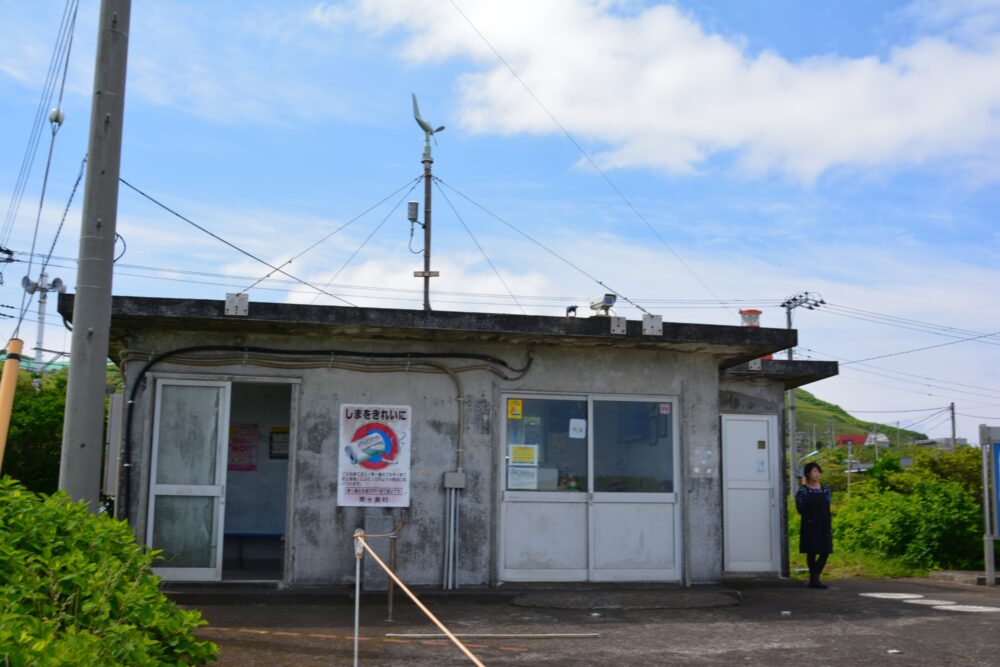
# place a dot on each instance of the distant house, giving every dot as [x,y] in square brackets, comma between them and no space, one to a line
[877,439]
[944,443]
[856,439]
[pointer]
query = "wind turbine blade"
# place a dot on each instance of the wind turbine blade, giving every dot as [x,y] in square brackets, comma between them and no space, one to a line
[424,125]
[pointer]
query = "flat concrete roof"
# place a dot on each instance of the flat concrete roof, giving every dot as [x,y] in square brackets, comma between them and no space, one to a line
[793,372]
[732,345]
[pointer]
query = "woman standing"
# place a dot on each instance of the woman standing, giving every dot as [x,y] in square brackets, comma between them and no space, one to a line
[815,535]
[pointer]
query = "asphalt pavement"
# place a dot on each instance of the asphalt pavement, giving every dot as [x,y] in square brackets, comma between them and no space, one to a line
[855,621]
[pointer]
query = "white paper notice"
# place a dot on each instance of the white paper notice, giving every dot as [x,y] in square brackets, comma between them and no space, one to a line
[522,478]
[578,428]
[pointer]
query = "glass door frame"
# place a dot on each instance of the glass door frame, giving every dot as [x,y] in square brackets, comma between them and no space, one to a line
[216,490]
[588,495]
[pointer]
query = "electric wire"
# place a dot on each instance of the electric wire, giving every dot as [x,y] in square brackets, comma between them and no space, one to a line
[485,256]
[921,349]
[538,243]
[61,47]
[928,325]
[368,238]
[56,123]
[922,329]
[334,232]
[976,416]
[889,373]
[892,411]
[584,153]
[62,220]
[231,245]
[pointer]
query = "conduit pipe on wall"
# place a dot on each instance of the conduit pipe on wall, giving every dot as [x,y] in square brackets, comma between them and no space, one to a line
[365,362]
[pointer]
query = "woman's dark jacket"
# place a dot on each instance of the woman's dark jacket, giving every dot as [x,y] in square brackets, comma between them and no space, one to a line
[815,535]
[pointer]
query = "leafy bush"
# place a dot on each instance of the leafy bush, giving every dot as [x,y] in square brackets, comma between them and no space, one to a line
[937,524]
[75,589]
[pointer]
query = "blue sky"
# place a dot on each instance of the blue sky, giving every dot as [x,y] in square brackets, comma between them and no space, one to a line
[847,148]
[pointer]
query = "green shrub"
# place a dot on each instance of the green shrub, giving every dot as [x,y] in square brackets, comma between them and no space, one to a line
[75,589]
[936,524]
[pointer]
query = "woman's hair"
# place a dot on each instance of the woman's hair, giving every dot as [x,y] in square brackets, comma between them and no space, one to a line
[809,468]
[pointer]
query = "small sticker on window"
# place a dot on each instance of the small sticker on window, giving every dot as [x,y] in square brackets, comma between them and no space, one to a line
[664,408]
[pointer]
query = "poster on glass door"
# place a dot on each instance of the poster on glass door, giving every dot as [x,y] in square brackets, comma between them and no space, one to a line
[374,457]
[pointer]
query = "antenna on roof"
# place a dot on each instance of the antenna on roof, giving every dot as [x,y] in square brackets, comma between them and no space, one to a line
[427,160]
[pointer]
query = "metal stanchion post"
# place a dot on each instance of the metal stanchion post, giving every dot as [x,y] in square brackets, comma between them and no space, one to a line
[392,566]
[359,553]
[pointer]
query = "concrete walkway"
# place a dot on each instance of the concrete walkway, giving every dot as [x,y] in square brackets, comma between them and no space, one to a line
[856,622]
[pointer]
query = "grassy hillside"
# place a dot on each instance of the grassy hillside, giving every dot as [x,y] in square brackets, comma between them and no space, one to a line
[814,411]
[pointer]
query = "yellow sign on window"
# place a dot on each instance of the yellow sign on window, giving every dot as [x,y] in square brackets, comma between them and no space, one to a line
[524,455]
[515,408]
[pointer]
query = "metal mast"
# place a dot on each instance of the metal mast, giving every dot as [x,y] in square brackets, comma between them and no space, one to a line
[427,161]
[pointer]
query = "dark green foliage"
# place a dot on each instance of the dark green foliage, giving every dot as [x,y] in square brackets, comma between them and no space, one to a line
[884,469]
[34,442]
[35,437]
[936,524]
[75,589]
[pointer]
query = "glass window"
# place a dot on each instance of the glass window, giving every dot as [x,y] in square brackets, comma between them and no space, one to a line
[546,444]
[184,528]
[633,447]
[188,434]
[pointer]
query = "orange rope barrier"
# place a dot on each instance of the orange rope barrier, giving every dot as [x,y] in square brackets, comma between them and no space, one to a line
[417,602]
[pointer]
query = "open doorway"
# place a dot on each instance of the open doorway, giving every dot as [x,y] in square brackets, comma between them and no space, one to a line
[257,481]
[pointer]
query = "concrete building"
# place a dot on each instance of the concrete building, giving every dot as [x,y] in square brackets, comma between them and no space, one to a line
[509,448]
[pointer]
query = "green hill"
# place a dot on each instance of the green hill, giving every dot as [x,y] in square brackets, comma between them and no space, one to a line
[814,413]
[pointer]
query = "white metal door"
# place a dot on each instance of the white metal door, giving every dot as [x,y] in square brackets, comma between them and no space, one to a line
[750,498]
[187,479]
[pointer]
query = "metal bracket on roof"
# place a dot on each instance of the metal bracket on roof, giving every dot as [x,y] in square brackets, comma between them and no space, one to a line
[618,325]
[652,325]
[238,304]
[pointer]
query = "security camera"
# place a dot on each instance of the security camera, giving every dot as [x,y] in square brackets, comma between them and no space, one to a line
[602,304]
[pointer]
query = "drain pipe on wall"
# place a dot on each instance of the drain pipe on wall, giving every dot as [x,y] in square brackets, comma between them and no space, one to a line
[454,482]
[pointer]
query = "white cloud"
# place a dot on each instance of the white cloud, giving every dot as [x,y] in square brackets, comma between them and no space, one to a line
[653,89]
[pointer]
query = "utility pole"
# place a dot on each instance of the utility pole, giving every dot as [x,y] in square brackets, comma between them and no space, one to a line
[812,302]
[83,426]
[953,445]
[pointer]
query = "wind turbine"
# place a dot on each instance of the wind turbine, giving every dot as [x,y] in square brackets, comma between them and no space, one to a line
[429,130]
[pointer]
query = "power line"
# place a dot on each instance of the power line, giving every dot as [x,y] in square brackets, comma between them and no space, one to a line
[538,243]
[334,232]
[892,411]
[976,416]
[923,329]
[61,47]
[583,152]
[887,371]
[883,316]
[55,121]
[485,256]
[369,237]
[921,349]
[231,245]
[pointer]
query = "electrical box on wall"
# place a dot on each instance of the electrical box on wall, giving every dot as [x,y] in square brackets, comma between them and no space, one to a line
[454,480]
[618,325]
[238,304]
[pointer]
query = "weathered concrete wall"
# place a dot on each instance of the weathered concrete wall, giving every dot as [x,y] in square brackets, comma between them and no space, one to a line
[320,532]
